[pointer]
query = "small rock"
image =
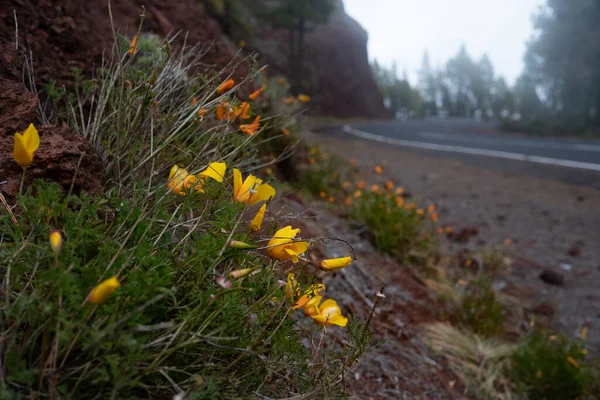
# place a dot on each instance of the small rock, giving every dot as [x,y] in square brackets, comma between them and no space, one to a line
[566,267]
[552,277]
[575,250]
[546,309]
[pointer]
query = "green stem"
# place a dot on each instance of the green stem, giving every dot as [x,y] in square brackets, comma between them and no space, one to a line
[22,181]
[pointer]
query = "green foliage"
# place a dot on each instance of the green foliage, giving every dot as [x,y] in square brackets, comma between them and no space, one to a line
[395,229]
[480,310]
[541,369]
[399,97]
[324,174]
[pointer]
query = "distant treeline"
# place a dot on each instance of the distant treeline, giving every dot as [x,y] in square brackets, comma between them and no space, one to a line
[557,93]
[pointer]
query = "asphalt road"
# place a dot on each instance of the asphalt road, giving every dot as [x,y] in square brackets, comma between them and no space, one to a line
[571,160]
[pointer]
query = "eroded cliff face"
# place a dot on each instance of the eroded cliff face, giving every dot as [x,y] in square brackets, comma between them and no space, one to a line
[336,67]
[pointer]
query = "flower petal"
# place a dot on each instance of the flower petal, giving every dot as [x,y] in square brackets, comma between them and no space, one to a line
[333,264]
[21,154]
[263,192]
[100,293]
[215,170]
[31,138]
[256,222]
[237,182]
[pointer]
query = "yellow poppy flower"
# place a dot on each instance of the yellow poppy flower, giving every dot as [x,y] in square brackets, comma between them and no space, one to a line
[293,291]
[56,241]
[180,179]
[225,86]
[251,190]
[329,313]
[303,98]
[256,222]
[100,293]
[25,146]
[283,247]
[334,264]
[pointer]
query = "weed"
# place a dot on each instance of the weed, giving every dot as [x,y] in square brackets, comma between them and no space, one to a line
[480,311]
[551,367]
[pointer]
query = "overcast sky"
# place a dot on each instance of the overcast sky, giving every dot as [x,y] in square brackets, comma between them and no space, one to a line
[400,30]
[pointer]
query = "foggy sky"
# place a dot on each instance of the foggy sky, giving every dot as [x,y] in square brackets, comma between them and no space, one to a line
[400,30]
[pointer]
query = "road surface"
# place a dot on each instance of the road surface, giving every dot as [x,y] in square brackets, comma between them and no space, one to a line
[571,160]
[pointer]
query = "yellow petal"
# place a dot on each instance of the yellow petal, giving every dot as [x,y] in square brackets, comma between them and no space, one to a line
[250,184]
[256,222]
[100,293]
[300,247]
[237,182]
[333,264]
[21,154]
[263,192]
[31,138]
[215,170]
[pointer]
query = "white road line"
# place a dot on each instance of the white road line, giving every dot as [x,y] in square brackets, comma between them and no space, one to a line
[474,151]
[519,143]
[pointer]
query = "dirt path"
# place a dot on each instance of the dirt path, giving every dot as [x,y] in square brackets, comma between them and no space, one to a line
[549,225]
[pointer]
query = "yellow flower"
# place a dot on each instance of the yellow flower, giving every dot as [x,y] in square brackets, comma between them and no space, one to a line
[378,169]
[225,86]
[333,264]
[133,47]
[100,293]
[250,129]
[256,222]
[255,95]
[25,146]
[282,245]
[56,241]
[299,297]
[329,313]
[303,98]
[311,307]
[181,180]
[251,190]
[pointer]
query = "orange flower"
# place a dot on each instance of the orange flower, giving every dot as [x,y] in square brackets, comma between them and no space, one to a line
[399,201]
[331,199]
[322,195]
[389,185]
[410,206]
[434,217]
[133,46]
[357,194]
[289,100]
[222,111]
[448,229]
[374,188]
[362,185]
[194,101]
[378,169]
[348,201]
[255,95]
[241,111]
[282,81]
[420,211]
[346,184]
[242,43]
[285,131]
[202,112]
[440,230]
[431,208]
[250,129]
[225,86]
[399,190]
